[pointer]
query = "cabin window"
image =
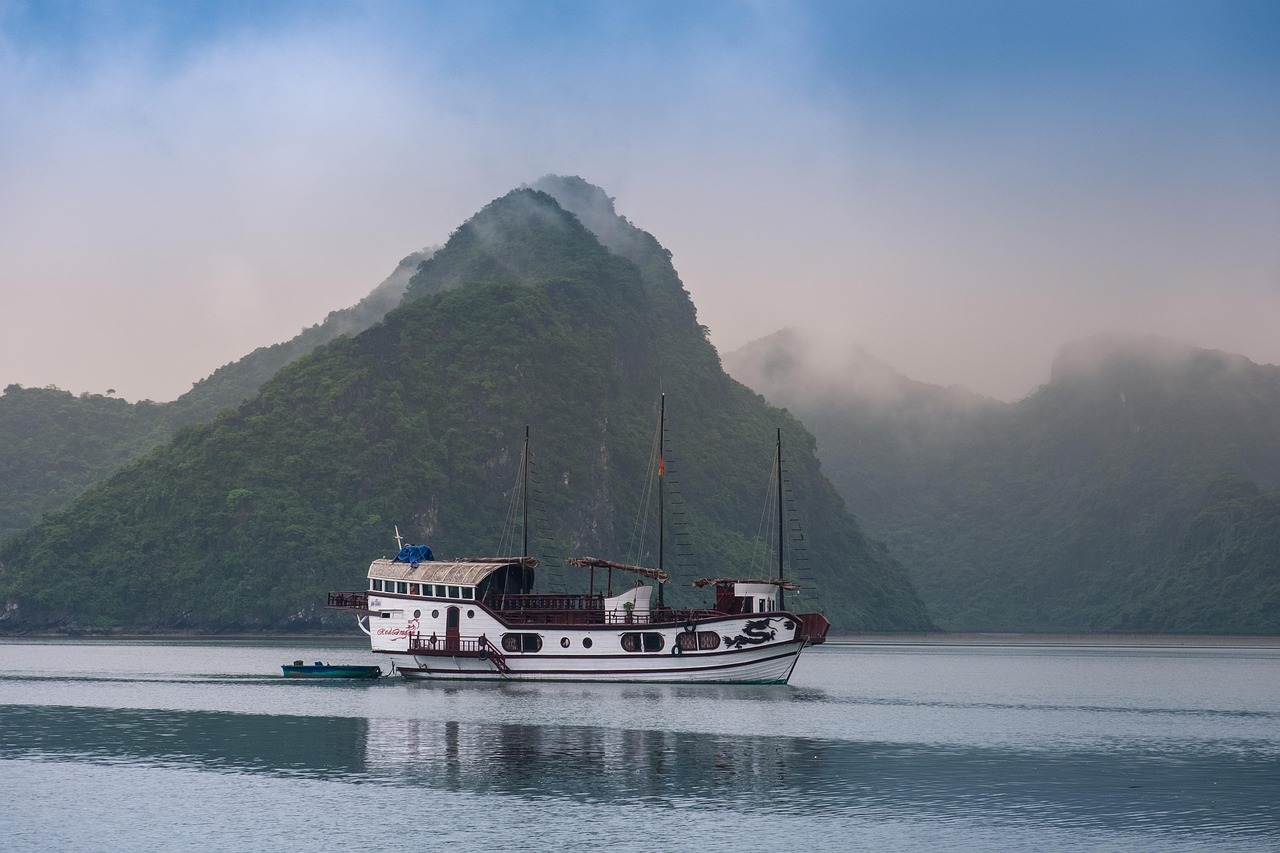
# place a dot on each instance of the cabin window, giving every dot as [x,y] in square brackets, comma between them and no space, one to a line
[761,607]
[746,605]
[386,614]
[376,584]
[522,642]
[649,641]
[468,592]
[413,589]
[689,641]
[440,591]
[586,642]
[454,592]
[435,614]
[564,642]
[471,614]
[402,587]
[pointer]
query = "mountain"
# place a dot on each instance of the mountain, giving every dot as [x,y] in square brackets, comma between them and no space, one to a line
[524,318]
[1135,491]
[54,445]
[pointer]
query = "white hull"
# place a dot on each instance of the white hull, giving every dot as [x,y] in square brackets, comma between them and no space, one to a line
[772,665]
[761,648]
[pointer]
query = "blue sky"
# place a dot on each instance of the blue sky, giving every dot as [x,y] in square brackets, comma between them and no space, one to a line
[958,187]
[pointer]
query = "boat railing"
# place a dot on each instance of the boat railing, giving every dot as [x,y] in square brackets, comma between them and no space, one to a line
[668,615]
[551,609]
[348,601]
[508,602]
[436,644]
[456,646]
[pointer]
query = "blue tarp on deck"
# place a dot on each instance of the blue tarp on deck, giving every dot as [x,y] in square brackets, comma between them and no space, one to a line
[414,554]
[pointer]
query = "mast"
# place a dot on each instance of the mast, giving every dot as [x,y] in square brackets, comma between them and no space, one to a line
[662,441]
[524,525]
[525,583]
[781,592]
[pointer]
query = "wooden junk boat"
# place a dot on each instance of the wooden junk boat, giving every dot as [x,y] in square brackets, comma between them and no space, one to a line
[479,619]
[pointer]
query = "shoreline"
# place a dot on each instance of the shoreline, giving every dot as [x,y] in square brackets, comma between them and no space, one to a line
[1029,639]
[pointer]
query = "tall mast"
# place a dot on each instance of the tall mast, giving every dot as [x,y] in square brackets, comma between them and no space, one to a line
[662,441]
[524,476]
[781,592]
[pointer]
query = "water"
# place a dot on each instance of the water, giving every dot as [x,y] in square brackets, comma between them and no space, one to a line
[166,745]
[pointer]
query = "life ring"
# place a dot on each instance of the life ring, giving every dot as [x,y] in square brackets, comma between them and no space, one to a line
[689,627]
[677,651]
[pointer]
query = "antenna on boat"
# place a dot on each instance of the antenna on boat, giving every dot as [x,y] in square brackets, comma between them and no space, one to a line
[662,443]
[782,605]
[399,539]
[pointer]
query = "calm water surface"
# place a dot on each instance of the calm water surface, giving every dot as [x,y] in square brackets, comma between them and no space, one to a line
[200,745]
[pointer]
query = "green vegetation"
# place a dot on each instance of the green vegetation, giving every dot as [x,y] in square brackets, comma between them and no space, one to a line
[54,445]
[523,318]
[1133,492]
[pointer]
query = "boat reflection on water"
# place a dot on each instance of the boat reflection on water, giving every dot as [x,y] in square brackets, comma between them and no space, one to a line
[596,764]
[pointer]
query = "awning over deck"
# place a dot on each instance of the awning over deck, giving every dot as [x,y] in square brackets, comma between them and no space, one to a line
[778,582]
[658,575]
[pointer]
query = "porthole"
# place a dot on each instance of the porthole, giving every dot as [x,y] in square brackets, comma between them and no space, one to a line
[586,642]
[564,642]
[435,614]
[471,614]
[417,614]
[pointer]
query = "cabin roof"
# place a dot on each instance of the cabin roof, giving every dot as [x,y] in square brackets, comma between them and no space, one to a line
[460,573]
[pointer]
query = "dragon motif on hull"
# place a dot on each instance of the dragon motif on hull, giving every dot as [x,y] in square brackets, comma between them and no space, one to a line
[757,631]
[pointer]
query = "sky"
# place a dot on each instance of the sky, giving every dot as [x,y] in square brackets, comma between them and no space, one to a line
[957,187]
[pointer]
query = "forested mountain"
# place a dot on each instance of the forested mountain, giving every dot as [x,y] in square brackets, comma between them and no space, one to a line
[1135,491]
[523,318]
[54,445]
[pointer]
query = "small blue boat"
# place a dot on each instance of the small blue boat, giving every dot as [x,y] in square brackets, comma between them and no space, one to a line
[328,670]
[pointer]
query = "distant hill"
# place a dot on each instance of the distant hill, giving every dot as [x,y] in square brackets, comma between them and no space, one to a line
[1136,491]
[54,445]
[523,318]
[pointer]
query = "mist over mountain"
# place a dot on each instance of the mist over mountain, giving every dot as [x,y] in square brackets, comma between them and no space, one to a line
[523,319]
[1136,490]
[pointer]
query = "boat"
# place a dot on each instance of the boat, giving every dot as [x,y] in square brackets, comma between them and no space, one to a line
[298,669]
[479,618]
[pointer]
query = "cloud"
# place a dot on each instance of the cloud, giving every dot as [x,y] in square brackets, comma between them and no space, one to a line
[183,186]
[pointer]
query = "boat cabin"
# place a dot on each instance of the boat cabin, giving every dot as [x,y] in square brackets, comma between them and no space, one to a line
[464,580]
[736,597]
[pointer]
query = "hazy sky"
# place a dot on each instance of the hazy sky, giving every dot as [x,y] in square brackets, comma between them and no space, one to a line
[959,187]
